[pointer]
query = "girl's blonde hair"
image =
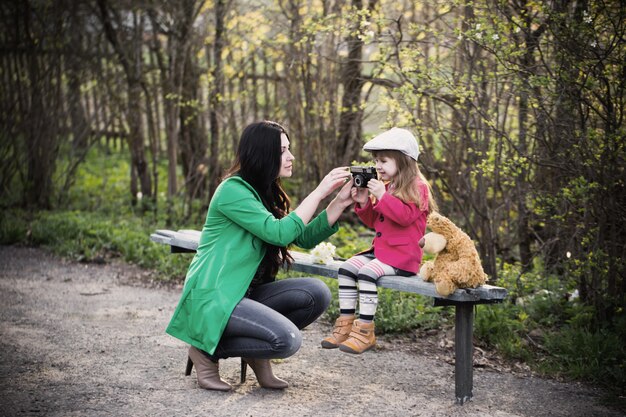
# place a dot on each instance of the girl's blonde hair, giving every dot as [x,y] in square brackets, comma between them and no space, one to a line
[404,182]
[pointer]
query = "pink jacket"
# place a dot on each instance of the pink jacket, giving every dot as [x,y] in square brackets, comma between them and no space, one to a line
[399,227]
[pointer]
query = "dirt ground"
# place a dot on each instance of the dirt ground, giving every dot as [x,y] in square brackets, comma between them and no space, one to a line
[88,340]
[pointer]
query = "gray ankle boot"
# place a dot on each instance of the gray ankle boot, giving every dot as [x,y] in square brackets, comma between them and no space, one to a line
[207,371]
[263,371]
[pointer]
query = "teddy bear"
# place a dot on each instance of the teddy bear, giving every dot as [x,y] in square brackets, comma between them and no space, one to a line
[457,264]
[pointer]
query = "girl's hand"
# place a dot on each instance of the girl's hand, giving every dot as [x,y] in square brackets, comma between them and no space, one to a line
[332,181]
[377,188]
[360,195]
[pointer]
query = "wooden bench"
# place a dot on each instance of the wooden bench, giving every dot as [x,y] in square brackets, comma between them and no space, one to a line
[462,299]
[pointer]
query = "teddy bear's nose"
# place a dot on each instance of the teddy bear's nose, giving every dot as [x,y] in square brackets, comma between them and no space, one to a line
[421,242]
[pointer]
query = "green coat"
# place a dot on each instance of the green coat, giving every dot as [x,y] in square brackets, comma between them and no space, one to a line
[230,250]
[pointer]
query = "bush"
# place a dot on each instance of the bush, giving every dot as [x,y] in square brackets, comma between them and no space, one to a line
[351,239]
[91,237]
[13,227]
[503,327]
[558,337]
[597,356]
[580,350]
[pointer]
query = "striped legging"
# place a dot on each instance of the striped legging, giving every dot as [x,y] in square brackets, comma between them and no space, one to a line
[366,270]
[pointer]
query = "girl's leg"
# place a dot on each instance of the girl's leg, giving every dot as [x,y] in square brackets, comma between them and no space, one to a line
[362,337]
[347,301]
[347,276]
[368,292]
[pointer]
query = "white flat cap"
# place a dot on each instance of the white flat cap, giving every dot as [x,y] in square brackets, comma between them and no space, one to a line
[394,139]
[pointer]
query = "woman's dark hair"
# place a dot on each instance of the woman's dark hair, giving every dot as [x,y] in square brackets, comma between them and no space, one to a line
[258,162]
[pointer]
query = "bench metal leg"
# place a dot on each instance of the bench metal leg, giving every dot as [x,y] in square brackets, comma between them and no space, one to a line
[464,350]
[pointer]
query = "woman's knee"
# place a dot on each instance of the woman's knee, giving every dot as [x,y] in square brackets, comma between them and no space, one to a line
[318,291]
[287,342]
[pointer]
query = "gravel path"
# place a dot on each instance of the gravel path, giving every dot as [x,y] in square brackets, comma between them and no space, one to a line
[88,340]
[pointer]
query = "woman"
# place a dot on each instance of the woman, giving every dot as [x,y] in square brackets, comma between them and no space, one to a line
[231,305]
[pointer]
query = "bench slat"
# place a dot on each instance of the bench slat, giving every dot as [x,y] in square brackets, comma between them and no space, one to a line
[188,239]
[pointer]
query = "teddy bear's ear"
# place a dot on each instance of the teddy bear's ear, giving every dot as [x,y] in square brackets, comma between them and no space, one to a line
[433,243]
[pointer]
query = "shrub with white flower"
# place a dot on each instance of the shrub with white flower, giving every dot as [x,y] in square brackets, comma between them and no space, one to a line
[323,253]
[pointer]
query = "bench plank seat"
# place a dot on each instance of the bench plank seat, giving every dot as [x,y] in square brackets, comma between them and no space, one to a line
[462,299]
[188,239]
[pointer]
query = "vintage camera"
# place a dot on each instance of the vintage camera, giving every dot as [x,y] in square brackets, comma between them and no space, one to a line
[362,175]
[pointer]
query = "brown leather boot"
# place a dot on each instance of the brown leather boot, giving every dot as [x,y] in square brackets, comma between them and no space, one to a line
[343,325]
[263,371]
[361,338]
[207,371]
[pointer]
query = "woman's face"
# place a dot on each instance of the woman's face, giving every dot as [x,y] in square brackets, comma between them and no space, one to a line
[287,158]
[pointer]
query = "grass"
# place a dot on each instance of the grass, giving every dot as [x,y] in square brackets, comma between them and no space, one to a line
[92,237]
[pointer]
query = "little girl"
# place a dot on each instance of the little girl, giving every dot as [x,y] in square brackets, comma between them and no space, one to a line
[400,201]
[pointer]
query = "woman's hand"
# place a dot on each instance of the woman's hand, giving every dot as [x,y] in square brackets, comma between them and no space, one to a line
[377,188]
[342,201]
[329,183]
[332,181]
[344,197]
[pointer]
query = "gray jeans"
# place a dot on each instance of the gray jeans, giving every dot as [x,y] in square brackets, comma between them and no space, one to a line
[266,324]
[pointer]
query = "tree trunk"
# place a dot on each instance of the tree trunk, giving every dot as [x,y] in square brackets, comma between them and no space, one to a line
[351,116]
[41,137]
[521,182]
[131,59]
[193,140]
[215,93]
[80,127]
[41,120]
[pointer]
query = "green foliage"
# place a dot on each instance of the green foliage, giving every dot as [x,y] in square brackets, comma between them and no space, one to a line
[102,183]
[13,226]
[400,312]
[557,336]
[521,283]
[332,312]
[502,327]
[580,351]
[93,237]
[351,239]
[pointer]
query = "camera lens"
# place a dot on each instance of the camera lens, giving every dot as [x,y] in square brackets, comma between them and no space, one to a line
[359,180]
